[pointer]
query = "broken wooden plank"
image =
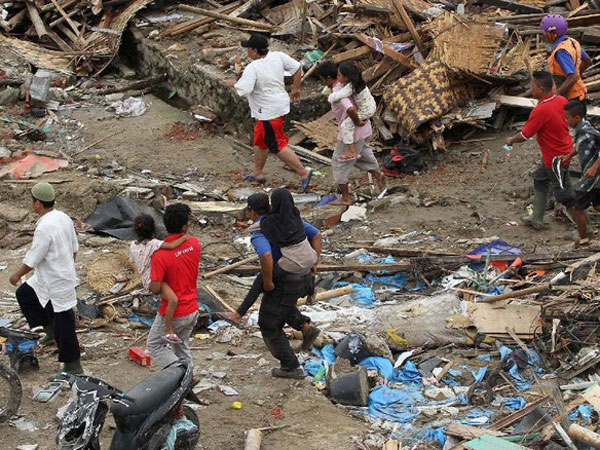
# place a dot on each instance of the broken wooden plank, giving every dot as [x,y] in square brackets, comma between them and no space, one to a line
[227,18]
[516,416]
[385,49]
[469,432]
[513,6]
[524,102]
[36,20]
[229,267]
[584,435]
[311,155]
[401,10]
[217,297]
[194,24]
[248,270]
[311,70]
[365,49]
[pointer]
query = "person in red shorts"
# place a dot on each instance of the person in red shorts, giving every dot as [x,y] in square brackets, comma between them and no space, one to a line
[263,84]
[179,268]
[547,123]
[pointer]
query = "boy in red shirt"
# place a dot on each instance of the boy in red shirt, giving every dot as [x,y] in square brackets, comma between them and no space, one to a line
[547,123]
[179,269]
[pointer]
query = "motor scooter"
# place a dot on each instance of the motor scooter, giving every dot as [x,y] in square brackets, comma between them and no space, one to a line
[148,416]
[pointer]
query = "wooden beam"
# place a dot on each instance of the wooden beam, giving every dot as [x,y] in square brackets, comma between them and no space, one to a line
[189,26]
[515,417]
[248,270]
[385,49]
[230,267]
[38,23]
[410,25]
[530,103]
[365,49]
[225,17]
[512,6]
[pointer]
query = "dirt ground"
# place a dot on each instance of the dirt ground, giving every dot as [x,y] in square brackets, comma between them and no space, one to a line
[465,203]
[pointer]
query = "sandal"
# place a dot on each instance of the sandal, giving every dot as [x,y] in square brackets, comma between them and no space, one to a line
[171,338]
[250,177]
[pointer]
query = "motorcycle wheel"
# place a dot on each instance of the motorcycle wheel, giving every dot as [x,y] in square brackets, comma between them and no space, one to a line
[11,393]
[188,441]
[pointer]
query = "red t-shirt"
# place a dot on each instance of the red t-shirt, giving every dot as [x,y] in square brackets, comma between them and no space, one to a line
[179,269]
[547,123]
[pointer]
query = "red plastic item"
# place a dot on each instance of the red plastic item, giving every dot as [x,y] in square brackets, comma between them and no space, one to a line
[139,356]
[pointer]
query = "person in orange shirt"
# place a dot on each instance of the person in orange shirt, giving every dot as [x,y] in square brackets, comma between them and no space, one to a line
[567,60]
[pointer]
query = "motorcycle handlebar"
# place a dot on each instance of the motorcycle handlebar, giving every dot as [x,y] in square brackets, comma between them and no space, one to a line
[111,391]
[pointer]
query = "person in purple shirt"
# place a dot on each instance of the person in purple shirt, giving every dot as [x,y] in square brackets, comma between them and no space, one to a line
[365,160]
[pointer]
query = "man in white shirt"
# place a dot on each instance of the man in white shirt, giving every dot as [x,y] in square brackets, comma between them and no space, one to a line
[263,84]
[47,298]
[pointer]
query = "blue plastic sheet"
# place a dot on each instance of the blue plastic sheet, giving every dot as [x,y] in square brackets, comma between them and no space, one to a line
[484,357]
[397,280]
[477,413]
[584,411]
[521,383]
[389,259]
[514,403]
[134,318]
[363,295]
[504,352]
[395,405]
[25,346]
[433,434]
[382,365]
[408,373]
[312,366]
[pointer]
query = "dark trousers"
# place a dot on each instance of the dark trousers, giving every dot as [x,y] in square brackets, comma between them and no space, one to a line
[544,179]
[62,323]
[272,317]
[277,309]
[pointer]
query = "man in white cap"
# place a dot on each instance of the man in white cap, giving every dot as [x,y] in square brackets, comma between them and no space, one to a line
[263,83]
[47,298]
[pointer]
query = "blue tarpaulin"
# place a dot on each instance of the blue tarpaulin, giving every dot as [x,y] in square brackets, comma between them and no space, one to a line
[514,403]
[395,405]
[408,373]
[382,365]
[584,411]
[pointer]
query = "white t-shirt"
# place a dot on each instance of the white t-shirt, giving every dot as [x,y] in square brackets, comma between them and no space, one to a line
[141,255]
[263,83]
[51,257]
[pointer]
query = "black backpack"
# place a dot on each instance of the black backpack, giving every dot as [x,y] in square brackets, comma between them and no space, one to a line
[403,161]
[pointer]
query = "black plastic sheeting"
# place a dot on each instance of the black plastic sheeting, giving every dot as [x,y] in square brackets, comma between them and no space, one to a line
[116,217]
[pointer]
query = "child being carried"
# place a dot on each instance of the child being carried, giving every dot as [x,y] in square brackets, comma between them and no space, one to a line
[140,252]
[355,87]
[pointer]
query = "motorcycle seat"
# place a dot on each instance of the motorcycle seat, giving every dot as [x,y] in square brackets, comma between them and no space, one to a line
[151,392]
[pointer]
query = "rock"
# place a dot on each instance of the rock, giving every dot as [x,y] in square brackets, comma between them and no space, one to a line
[354,213]
[12,213]
[326,217]
[219,375]
[9,95]
[27,447]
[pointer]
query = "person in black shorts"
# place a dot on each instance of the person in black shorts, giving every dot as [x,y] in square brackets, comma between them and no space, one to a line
[587,147]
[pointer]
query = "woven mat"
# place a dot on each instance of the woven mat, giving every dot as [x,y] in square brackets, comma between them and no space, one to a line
[465,45]
[476,46]
[102,271]
[427,93]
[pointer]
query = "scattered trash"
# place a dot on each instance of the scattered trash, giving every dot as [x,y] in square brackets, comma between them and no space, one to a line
[139,356]
[130,107]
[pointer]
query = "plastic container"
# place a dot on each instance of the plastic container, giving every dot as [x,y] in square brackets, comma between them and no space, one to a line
[350,389]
